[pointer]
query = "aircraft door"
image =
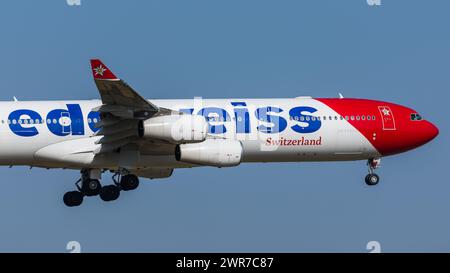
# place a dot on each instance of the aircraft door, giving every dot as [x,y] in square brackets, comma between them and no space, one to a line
[66,122]
[387,117]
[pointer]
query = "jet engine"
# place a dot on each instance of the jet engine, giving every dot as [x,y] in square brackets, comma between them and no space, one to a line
[211,152]
[175,128]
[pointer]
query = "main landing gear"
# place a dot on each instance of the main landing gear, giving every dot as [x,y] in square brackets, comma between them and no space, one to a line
[89,185]
[372,178]
[125,182]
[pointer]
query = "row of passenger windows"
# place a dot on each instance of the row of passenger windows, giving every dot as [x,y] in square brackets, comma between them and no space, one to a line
[312,118]
[38,121]
[301,118]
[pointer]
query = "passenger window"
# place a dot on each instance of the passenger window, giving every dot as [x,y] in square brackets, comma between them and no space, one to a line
[357,117]
[373,117]
[363,117]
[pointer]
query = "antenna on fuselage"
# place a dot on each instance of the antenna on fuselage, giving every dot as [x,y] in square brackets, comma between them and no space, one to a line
[341,96]
[15,99]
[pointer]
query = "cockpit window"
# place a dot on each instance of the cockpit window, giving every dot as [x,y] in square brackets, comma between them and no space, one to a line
[415,116]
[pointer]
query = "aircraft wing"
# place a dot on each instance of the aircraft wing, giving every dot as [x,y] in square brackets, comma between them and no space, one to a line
[118,96]
[121,111]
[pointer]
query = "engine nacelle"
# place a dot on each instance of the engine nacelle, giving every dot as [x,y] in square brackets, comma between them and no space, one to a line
[175,128]
[211,152]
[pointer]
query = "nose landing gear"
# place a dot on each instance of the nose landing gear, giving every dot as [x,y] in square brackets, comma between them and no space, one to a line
[89,185]
[372,178]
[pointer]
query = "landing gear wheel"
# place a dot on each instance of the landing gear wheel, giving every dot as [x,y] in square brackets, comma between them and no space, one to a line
[109,193]
[91,187]
[73,198]
[372,179]
[129,182]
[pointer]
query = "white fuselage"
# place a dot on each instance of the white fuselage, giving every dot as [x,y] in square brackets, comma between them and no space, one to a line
[61,133]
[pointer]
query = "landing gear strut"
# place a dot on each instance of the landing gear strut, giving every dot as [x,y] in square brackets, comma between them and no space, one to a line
[372,178]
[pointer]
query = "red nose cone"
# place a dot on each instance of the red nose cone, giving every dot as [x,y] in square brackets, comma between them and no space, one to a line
[414,134]
[431,131]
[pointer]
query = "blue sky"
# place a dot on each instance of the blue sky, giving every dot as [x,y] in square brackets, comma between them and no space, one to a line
[397,52]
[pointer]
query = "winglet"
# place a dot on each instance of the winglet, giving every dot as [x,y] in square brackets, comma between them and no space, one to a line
[100,71]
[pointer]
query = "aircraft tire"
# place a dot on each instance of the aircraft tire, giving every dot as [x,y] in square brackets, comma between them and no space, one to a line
[129,182]
[92,187]
[109,193]
[73,198]
[372,179]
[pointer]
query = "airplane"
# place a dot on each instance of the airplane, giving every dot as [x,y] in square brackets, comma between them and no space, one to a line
[133,137]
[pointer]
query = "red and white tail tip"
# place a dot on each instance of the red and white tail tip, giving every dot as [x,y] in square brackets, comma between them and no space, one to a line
[101,71]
